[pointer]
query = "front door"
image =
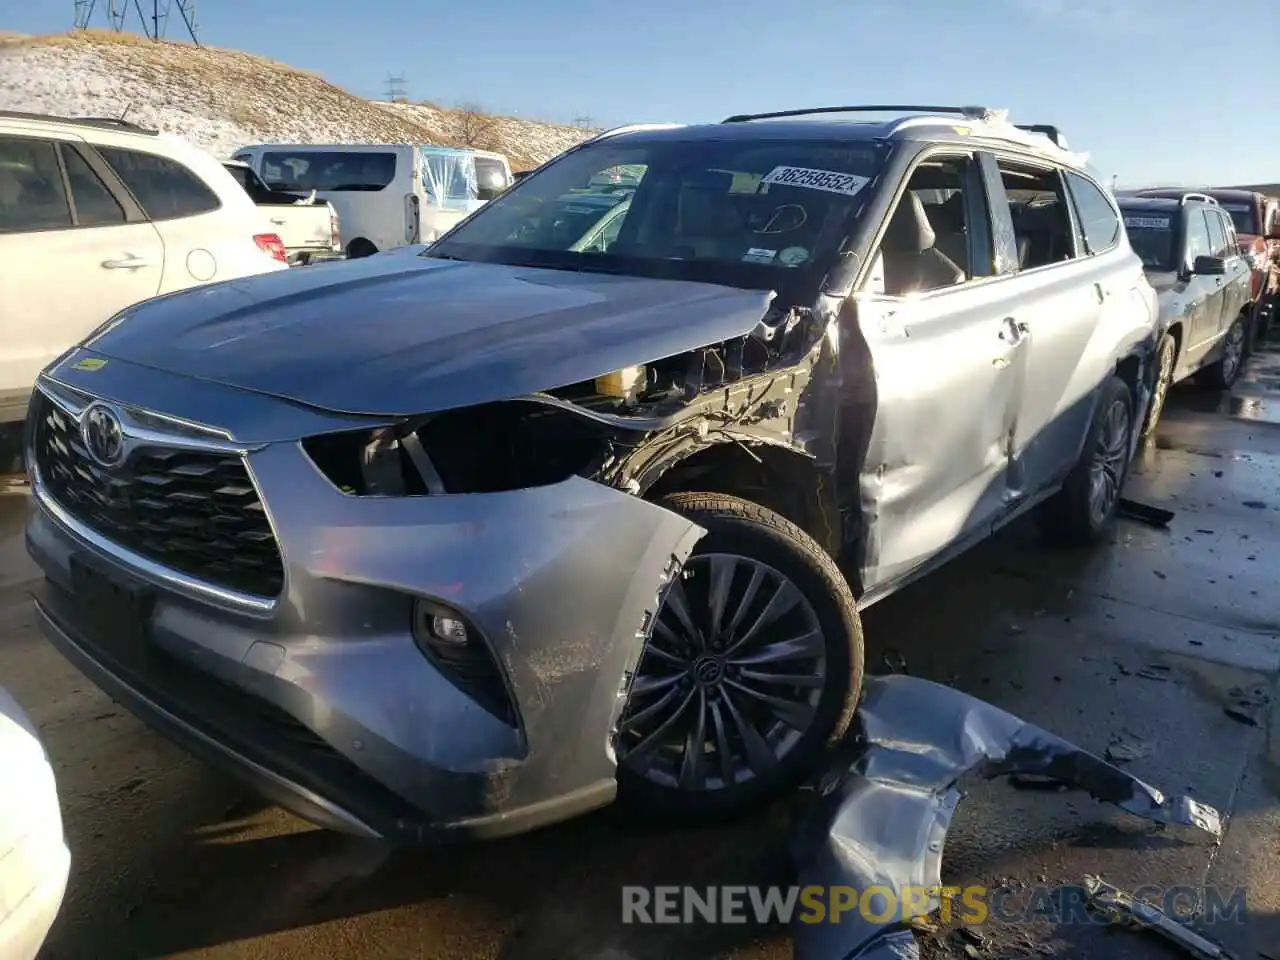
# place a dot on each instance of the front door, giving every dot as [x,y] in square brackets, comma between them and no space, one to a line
[948,350]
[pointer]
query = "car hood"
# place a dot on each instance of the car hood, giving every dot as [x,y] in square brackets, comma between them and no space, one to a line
[407,335]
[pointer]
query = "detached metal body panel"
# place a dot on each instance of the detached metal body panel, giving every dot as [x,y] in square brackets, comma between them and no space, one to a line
[884,821]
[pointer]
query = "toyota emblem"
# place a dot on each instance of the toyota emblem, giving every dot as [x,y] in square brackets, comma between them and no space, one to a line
[102,434]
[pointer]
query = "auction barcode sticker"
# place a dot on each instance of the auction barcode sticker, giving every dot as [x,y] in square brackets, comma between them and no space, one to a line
[829,180]
[1148,223]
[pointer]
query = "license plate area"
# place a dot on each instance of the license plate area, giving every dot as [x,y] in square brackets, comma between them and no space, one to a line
[117,610]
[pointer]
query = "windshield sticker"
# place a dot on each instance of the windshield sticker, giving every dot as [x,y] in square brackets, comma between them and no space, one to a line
[793,256]
[759,255]
[828,180]
[1148,223]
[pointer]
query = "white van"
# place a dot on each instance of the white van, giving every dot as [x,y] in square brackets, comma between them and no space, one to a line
[386,195]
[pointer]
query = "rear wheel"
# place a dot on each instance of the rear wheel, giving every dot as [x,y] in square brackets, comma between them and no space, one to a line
[1083,511]
[752,669]
[360,247]
[1223,373]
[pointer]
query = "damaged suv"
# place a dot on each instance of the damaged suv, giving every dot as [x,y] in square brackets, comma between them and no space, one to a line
[459,544]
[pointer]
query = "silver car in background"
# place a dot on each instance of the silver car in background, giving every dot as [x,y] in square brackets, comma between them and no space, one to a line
[458,544]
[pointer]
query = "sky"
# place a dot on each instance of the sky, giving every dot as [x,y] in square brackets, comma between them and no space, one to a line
[1124,80]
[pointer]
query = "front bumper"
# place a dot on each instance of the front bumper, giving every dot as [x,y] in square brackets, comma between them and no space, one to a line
[322,699]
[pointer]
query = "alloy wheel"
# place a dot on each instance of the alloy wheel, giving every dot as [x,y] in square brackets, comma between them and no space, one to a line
[1232,350]
[730,678]
[1164,380]
[1110,455]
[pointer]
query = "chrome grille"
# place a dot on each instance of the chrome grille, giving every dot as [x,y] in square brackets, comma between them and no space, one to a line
[196,512]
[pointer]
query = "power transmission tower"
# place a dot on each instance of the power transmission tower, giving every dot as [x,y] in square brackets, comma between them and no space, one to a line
[397,90]
[154,22]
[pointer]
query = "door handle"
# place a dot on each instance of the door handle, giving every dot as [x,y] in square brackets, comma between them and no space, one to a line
[129,262]
[1100,291]
[278,221]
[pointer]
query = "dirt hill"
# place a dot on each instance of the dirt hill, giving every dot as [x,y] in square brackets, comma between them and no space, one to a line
[223,99]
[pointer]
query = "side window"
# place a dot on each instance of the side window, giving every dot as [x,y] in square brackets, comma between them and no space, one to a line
[1038,208]
[1272,216]
[1217,234]
[929,242]
[1233,241]
[32,196]
[95,204]
[1098,220]
[165,189]
[1198,244]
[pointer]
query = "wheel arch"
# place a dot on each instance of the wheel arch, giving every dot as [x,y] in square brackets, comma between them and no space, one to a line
[774,476]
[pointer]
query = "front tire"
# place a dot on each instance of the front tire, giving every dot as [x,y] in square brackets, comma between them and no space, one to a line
[1083,511]
[1166,357]
[1223,373]
[753,668]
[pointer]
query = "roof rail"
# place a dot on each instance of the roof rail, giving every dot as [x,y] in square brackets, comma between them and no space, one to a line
[1050,131]
[1202,197]
[101,122]
[971,113]
[633,128]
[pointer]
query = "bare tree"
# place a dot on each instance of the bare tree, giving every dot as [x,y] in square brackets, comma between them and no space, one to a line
[584,122]
[475,128]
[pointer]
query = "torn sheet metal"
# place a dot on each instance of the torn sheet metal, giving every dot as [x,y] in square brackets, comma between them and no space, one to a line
[883,818]
[1122,907]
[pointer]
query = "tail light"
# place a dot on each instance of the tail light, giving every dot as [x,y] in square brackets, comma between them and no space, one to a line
[271,245]
[335,230]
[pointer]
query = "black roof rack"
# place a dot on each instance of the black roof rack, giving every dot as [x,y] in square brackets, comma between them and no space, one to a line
[972,113]
[106,123]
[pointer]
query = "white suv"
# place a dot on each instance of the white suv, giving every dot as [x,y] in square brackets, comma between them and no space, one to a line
[96,215]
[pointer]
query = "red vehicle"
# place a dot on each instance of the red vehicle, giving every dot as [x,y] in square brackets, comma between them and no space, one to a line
[1257,220]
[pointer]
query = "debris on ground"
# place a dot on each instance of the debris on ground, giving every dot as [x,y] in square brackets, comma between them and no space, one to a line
[1246,706]
[1119,906]
[1255,504]
[1125,747]
[886,805]
[1145,513]
[894,661]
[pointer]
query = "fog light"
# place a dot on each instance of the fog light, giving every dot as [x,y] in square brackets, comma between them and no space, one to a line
[449,629]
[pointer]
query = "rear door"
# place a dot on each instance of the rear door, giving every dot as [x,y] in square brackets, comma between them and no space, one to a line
[74,251]
[1238,278]
[187,215]
[1227,290]
[1062,293]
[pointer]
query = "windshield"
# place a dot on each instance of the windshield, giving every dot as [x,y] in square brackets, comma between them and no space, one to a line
[1243,216]
[1152,237]
[305,170]
[749,213]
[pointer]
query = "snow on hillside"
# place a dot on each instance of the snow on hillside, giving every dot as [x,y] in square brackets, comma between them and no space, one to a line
[223,99]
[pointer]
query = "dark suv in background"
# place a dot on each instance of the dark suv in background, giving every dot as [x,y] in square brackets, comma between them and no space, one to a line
[1192,257]
[1257,221]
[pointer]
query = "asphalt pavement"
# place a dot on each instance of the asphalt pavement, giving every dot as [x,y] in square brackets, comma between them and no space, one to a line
[1162,647]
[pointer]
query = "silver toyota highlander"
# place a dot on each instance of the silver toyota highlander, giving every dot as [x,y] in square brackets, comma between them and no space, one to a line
[584,500]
